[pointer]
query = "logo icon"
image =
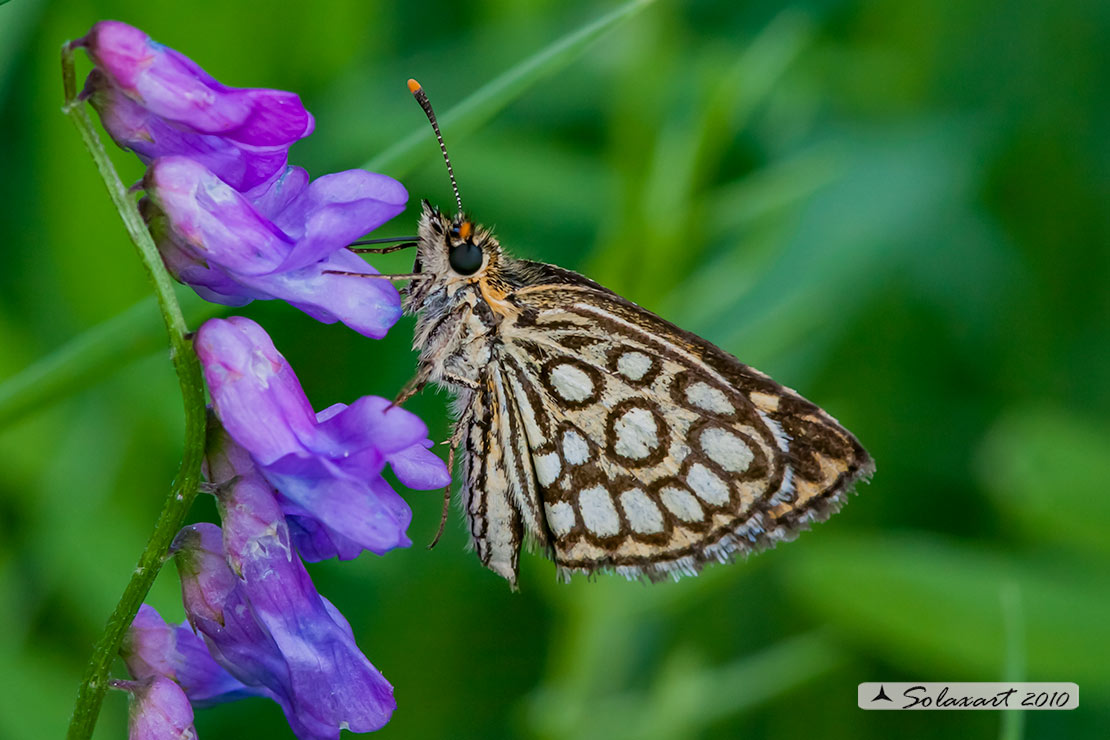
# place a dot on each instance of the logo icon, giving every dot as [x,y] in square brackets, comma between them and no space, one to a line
[881,696]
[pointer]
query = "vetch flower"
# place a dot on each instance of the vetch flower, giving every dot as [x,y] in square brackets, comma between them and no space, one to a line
[230,218]
[218,608]
[156,102]
[279,243]
[246,590]
[153,648]
[159,710]
[326,467]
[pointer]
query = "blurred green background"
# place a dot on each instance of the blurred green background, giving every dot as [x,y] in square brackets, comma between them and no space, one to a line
[899,207]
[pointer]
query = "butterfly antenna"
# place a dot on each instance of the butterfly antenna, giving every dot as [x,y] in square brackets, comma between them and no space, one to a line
[422,98]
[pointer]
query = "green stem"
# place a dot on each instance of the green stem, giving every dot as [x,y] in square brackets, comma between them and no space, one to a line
[184,489]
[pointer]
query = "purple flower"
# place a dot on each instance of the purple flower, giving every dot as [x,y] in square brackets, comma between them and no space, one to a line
[155,649]
[156,102]
[279,243]
[159,710]
[326,467]
[228,215]
[247,592]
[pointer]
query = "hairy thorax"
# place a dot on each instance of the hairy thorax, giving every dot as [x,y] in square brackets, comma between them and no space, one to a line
[456,331]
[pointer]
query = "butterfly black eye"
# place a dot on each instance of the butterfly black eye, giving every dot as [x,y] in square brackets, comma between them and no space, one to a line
[465,258]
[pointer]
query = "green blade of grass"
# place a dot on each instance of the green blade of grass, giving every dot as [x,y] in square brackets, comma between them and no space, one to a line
[94,354]
[485,102]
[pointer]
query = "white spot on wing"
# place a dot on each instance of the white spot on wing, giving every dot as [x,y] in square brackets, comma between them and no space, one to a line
[681,503]
[575,449]
[571,383]
[548,468]
[706,397]
[642,513]
[633,365]
[560,517]
[636,434]
[726,449]
[709,487]
[598,512]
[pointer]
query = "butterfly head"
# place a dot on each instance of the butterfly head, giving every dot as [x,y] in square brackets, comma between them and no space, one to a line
[454,249]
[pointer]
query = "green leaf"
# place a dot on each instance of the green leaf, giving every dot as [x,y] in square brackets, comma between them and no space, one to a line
[935,608]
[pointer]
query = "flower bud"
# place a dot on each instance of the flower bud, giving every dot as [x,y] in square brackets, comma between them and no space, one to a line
[159,710]
[153,649]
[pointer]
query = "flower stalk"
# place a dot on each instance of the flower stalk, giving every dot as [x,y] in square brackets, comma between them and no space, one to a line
[95,684]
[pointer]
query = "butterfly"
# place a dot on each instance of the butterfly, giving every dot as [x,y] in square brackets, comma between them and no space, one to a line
[599,433]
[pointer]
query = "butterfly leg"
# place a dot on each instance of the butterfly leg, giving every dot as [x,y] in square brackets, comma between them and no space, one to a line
[413,386]
[452,444]
[420,380]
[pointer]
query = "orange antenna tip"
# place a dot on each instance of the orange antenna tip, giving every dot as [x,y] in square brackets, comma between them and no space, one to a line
[426,106]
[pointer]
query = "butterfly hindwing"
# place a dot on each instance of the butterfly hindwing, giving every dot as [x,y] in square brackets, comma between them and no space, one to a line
[653,450]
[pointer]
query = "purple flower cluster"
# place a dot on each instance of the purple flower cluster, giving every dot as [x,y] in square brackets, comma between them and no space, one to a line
[233,220]
[155,101]
[247,592]
[228,214]
[291,485]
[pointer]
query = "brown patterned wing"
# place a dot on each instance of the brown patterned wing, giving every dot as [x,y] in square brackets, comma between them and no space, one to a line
[654,451]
